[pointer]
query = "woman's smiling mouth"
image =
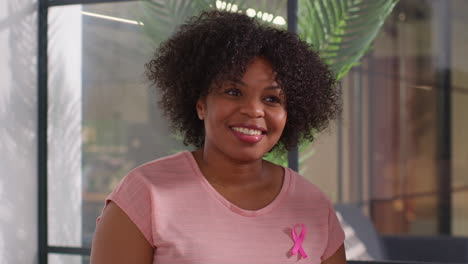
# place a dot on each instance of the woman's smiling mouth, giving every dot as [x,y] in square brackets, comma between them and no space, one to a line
[248,134]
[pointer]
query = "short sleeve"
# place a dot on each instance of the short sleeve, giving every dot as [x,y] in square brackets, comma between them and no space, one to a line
[336,235]
[133,196]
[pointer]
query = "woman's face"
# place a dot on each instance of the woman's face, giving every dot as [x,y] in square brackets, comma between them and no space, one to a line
[244,119]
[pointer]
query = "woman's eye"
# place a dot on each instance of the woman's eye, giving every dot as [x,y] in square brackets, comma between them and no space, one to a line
[233,92]
[273,99]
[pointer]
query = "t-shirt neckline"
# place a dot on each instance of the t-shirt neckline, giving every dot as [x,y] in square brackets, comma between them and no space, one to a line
[232,207]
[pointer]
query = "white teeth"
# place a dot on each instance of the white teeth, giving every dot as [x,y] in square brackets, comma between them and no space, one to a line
[250,132]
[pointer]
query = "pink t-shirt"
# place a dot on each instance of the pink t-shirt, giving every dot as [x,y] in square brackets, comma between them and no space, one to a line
[188,221]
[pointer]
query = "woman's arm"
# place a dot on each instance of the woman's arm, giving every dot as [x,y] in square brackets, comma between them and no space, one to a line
[339,257]
[117,240]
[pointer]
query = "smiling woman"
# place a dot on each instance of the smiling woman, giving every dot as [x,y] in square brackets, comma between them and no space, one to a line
[244,120]
[236,90]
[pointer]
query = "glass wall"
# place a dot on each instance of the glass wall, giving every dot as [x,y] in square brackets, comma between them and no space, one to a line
[459,96]
[18,136]
[393,152]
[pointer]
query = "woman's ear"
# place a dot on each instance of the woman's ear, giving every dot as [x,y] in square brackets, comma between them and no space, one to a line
[201,106]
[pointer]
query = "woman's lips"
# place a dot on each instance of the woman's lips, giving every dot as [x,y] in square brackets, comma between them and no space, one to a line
[247,138]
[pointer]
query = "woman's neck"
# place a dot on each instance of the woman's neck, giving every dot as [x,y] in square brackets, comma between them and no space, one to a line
[224,171]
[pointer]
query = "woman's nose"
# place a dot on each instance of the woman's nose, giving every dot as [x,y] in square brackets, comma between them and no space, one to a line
[252,108]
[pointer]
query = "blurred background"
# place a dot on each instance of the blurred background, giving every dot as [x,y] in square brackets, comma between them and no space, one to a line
[74,120]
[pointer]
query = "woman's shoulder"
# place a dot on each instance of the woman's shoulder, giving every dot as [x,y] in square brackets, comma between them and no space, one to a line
[305,188]
[165,167]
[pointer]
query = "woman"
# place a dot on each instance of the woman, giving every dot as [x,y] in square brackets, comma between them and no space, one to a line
[236,90]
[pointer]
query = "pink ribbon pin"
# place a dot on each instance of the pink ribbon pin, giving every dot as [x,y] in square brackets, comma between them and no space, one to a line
[298,240]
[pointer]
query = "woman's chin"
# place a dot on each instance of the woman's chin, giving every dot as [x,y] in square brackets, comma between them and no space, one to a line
[246,155]
[241,153]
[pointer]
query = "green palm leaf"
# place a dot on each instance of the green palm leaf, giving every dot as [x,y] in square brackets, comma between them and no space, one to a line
[162,17]
[342,30]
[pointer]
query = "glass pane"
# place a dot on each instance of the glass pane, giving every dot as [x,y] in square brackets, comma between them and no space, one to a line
[414,216]
[322,159]
[102,114]
[18,131]
[459,96]
[68,259]
[64,125]
[421,216]
[460,213]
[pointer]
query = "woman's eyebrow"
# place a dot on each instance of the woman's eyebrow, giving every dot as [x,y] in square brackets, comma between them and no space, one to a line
[238,82]
[272,87]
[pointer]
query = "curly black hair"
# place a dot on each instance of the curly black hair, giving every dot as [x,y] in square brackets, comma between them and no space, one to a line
[217,46]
